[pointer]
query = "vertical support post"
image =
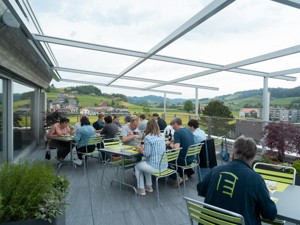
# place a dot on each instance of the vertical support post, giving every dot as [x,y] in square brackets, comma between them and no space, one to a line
[165,105]
[196,103]
[266,101]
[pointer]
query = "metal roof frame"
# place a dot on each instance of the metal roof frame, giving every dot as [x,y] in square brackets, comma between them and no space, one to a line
[41,44]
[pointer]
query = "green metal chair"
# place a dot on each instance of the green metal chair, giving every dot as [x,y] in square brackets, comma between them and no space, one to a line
[279,173]
[168,156]
[128,163]
[93,141]
[193,150]
[207,214]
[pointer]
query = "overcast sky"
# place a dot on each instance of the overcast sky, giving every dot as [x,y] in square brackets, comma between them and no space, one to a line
[244,29]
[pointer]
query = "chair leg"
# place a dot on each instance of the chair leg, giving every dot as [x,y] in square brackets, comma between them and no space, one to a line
[84,164]
[183,176]
[178,184]
[157,191]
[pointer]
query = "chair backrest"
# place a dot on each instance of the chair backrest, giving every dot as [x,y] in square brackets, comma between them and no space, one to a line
[194,149]
[207,214]
[282,174]
[170,155]
[110,141]
[94,140]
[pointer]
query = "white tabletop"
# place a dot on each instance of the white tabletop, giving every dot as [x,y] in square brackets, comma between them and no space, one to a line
[288,204]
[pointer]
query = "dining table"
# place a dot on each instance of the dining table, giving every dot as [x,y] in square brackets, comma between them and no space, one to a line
[70,140]
[124,151]
[287,199]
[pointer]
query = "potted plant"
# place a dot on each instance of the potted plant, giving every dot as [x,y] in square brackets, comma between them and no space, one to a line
[281,138]
[296,165]
[31,194]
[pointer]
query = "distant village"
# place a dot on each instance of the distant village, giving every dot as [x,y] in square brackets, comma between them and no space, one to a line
[276,114]
[66,103]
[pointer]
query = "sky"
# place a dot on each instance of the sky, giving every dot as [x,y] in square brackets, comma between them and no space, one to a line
[242,30]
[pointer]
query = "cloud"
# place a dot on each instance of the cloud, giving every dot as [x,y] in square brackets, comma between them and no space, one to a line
[242,30]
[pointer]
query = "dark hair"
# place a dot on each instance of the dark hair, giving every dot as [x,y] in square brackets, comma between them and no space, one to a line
[127,119]
[244,149]
[177,120]
[142,116]
[116,116]
[152,128]
[155,115]
[193,123]
[84,121]
[64,120]
[108,119]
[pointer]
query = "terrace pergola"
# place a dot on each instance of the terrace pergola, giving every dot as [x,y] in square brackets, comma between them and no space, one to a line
[22,17]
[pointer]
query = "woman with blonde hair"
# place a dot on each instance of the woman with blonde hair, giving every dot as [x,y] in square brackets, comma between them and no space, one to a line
[154,147]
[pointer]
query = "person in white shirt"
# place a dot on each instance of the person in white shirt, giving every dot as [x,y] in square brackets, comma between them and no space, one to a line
[199,135]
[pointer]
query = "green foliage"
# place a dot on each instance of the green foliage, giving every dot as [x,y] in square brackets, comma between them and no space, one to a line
[188,106]
[282,137]
[296,165]
[29,191]
[86,89]
[218,109]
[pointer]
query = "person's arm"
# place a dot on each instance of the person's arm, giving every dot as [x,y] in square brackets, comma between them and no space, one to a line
[77,137]
[203,185]
[104,130]
[147,147]
[265,205]
[176,143]
[130,137]
[52,131]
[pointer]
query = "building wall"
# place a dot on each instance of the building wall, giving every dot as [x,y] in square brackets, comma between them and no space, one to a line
[21,71]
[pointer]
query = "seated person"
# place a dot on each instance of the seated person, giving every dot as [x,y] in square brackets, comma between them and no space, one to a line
[131,135]
[99,124]
[199,135]
[143,123]
[60,129]
[169,132]
[117,122]
[161,122]
[183,138]
[110,129]
[154,147]
[84,132]
[236,187]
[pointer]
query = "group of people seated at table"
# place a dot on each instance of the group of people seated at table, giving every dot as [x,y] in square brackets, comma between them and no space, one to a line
[234,186]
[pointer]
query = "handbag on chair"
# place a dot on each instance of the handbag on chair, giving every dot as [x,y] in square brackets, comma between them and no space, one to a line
[224,154]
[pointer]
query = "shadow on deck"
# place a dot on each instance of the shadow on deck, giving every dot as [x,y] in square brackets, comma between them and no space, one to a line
[93,204]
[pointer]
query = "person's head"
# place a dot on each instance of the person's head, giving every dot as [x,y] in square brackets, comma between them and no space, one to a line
[101,117]
[127,119]
[142,117]
[108,119]
[193,124]
[155,116]
[133,116]
[152,128]
[244,149]
[176,123]
[64,121]
[84,121]
[116,119]
[133,124]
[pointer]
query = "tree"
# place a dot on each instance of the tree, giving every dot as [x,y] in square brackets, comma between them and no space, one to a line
[218,109]
[219,125]
[188,106]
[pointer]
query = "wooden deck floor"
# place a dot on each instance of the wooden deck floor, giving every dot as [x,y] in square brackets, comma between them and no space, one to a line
[94,204]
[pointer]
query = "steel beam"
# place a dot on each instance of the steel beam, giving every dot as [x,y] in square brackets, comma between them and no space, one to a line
[199,18]
[120,86]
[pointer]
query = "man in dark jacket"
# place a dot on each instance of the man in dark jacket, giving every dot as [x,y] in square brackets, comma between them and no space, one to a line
[236,187]
[161,123]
